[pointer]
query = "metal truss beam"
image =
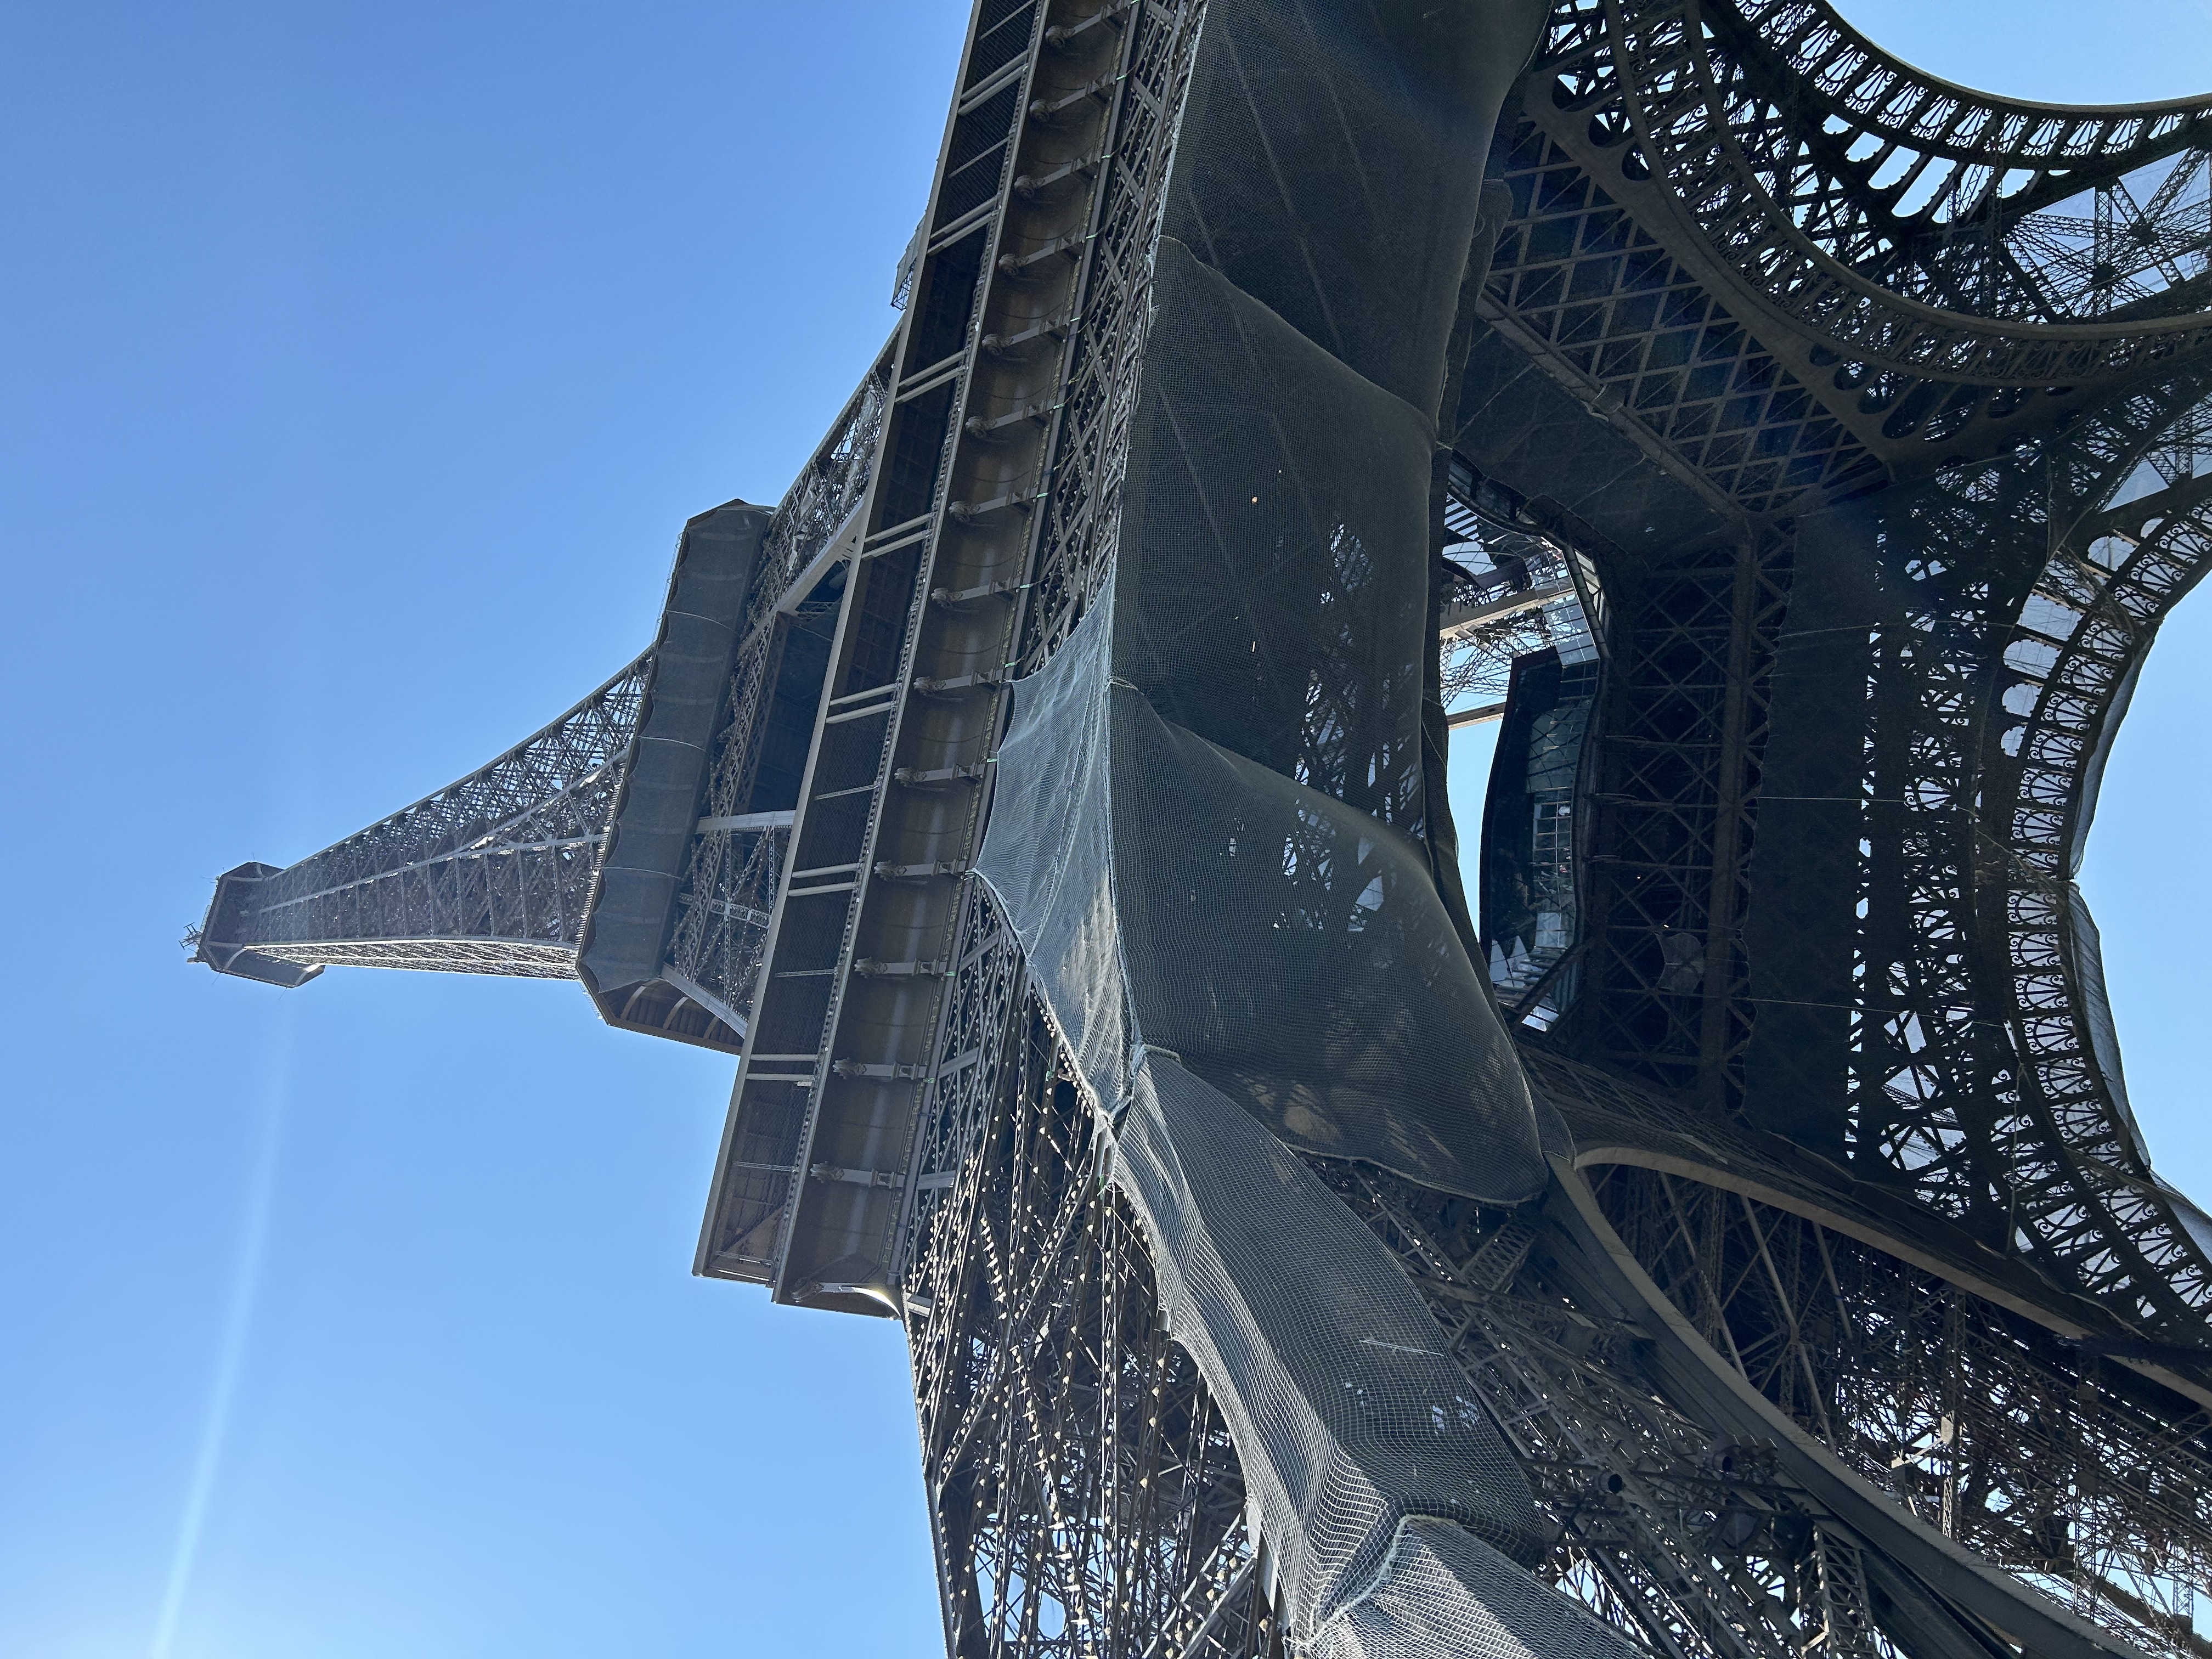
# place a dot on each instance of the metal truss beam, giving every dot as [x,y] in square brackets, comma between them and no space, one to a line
[497,873]
[985,529]
[1085,1494]
[1982,1073]
[491,874]
[1086,1497]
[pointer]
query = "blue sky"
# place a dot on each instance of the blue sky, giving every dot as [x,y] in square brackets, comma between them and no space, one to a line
[360,366]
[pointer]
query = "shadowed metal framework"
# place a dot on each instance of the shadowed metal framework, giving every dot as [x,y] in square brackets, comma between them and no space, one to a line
[1820,448]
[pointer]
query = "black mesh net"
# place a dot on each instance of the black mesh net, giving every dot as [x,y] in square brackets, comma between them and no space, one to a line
[1206,822]
[1193,828]
[1291,951]
[1348,1415]
[1329,165]
[1229,953]
[1441,1589]
[1275,533]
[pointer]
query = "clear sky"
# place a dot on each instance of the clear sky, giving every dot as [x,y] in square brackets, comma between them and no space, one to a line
[359,365]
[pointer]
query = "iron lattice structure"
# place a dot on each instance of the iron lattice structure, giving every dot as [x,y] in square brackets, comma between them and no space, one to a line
[490,875]
[1817,449]
[496,873]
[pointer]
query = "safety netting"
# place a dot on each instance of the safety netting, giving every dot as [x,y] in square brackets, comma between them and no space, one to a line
[1207,819]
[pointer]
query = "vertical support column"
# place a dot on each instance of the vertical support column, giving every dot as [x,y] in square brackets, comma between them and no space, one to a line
[1731,782]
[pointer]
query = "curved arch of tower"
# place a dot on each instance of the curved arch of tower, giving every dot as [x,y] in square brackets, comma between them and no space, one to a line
[1723,1234]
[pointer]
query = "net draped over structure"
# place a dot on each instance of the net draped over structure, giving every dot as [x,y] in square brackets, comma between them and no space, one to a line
[1728,1236]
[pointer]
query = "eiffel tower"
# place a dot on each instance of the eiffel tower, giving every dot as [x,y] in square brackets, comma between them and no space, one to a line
[1729,1236]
